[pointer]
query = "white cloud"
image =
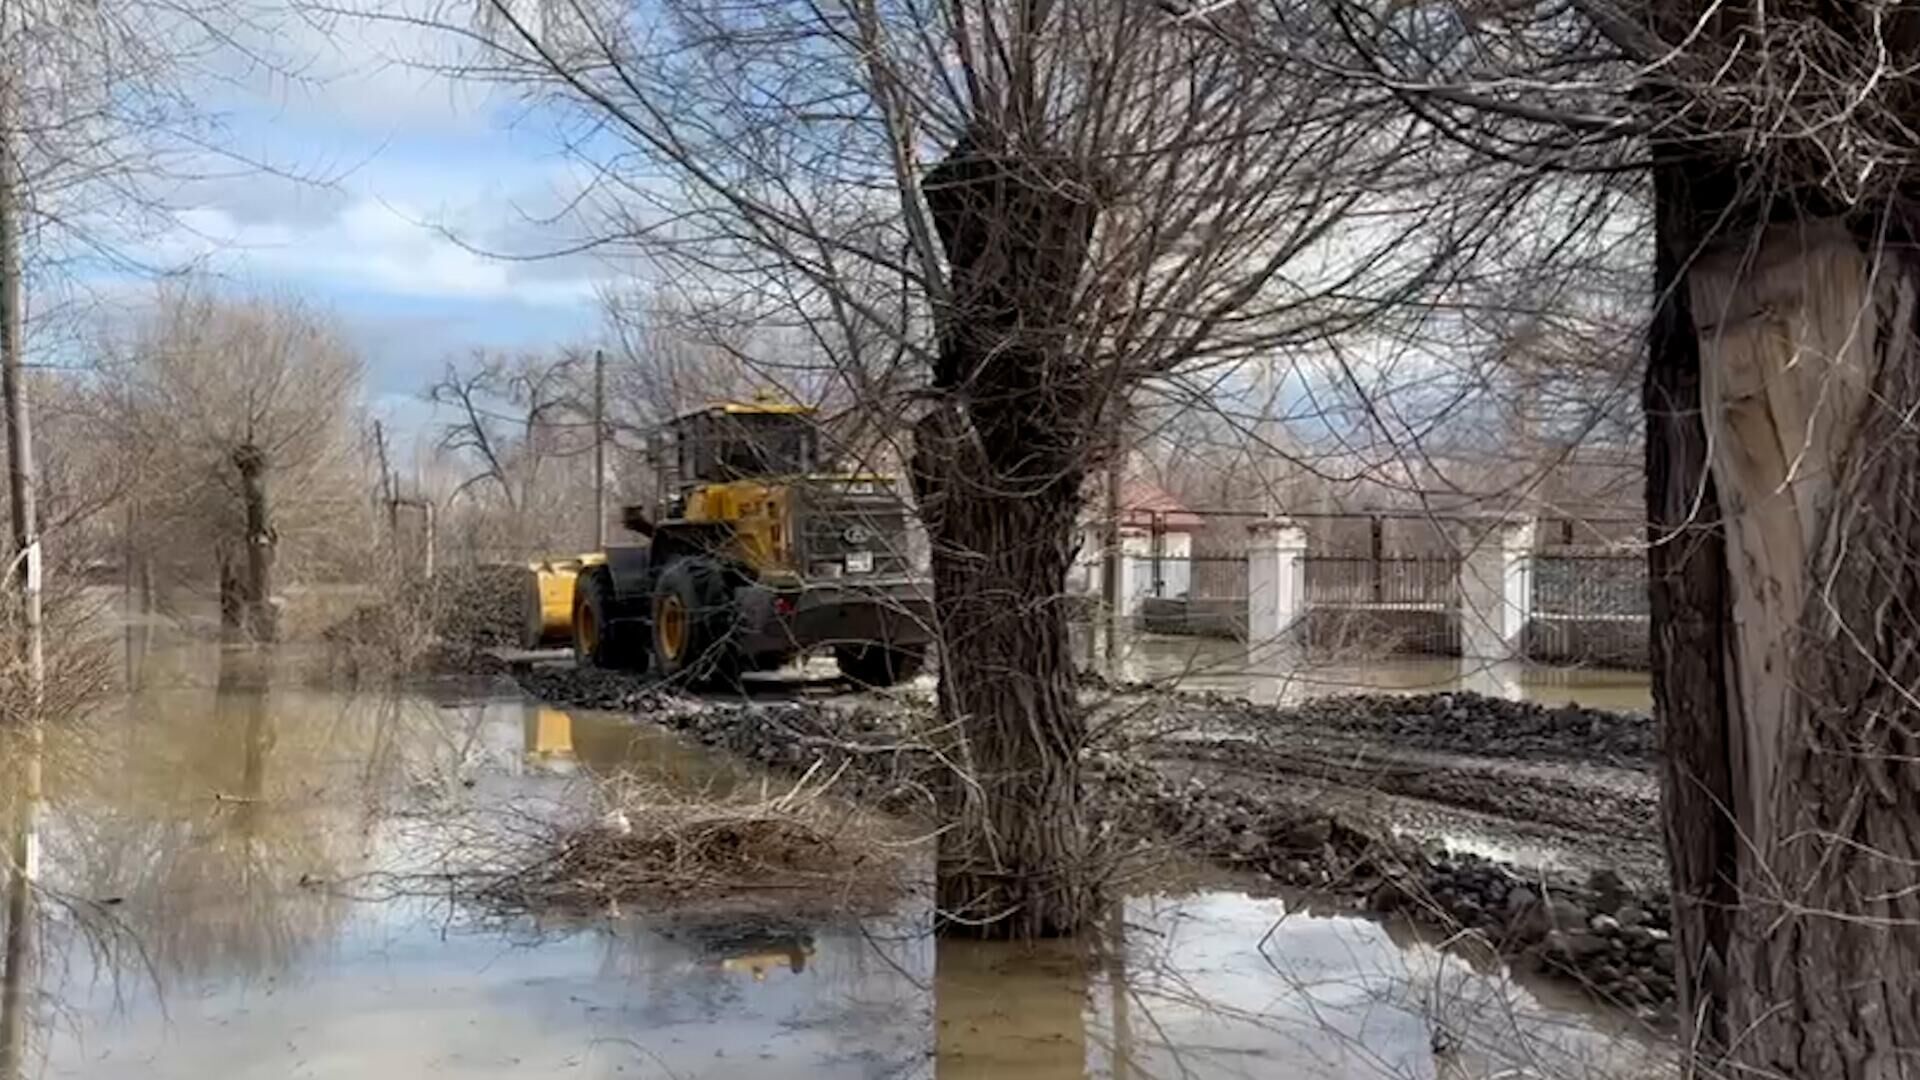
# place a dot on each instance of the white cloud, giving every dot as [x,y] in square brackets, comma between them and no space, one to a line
[368,247]
[359,65]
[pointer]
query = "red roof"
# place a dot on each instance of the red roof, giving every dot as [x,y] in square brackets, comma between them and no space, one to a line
[1141,500]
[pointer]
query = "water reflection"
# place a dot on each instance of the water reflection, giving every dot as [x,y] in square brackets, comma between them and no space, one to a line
[20,763]
[562,743]
[1011,1010]
[1222,984]
[230,815]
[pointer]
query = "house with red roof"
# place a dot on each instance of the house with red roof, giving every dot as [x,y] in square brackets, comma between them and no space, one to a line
[1149,516]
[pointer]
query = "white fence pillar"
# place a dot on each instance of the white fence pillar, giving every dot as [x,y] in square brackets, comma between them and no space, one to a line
[1136,549]
[1496,599]
[1516,575]
[1276,584]
[1496,592]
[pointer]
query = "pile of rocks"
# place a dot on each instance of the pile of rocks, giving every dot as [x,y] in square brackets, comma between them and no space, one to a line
[1467,723]
[1599,932]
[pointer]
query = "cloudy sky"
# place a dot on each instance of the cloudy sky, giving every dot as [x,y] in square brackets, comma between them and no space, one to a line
[372,163]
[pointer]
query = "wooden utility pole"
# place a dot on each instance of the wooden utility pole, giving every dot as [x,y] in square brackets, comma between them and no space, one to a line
[433,539]
[429,538]
[25,518]
[599,450]
[389,487]
[16,983]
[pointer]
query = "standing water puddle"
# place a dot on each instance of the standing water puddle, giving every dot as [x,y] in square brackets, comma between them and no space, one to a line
[214,844]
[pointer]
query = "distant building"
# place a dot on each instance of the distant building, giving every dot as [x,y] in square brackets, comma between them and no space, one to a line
[1149,517]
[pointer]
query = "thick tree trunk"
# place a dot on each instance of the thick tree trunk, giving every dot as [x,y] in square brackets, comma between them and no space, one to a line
[999,463]
[1784,490]
[257,589]
[1014,859]
[1687,574]
[232,603]
[1810,384]
[1787,659]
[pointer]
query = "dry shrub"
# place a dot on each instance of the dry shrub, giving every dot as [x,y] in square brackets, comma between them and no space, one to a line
[418,624]
[80,667]
[656,846]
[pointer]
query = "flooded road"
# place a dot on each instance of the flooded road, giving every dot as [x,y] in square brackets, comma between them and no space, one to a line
[220,853]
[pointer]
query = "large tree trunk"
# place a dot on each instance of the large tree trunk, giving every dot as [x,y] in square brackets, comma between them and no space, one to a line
[257,589]
[1787,653]
[1013,861]
[1687,574]
[999,463]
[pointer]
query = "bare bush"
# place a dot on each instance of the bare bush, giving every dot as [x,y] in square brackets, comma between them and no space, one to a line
[656,846]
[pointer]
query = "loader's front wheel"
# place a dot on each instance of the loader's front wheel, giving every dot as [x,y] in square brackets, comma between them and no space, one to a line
[598,640]
[693,623]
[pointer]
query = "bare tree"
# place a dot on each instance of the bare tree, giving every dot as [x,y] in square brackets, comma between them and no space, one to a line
[216,403]
[519,431]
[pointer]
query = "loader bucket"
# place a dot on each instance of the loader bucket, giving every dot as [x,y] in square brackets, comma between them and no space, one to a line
[549,601]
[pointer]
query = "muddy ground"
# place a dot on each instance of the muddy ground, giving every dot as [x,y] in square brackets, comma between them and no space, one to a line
[1565,789]
[1531,828]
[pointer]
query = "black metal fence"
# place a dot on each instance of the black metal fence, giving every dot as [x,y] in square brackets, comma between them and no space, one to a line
[1384,583]
[1409,582]
[1361,605]
[1590,606]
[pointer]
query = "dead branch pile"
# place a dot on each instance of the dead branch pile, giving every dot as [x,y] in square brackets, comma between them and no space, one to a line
[657,847]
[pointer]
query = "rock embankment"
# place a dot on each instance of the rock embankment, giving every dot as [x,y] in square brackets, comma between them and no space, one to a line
[1457,723]
[1598,930]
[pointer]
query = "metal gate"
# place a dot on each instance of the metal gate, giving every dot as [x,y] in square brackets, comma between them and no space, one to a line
[1193,573]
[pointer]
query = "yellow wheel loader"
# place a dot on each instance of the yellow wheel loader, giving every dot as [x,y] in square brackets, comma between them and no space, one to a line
[755,556]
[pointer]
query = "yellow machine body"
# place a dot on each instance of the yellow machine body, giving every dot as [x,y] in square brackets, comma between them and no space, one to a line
[761,516]
[549,604]
[751,520]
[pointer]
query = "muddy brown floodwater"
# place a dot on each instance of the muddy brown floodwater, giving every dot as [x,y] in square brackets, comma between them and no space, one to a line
[218,841]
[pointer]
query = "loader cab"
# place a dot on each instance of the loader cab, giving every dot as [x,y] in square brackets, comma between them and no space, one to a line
[734,441]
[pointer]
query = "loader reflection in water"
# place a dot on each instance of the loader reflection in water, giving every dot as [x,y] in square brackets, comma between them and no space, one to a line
[549,734]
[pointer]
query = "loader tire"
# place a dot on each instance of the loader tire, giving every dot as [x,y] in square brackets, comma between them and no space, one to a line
[598,639]
[693,622]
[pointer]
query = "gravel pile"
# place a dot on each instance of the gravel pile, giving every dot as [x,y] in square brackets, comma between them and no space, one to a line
[1462,723]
